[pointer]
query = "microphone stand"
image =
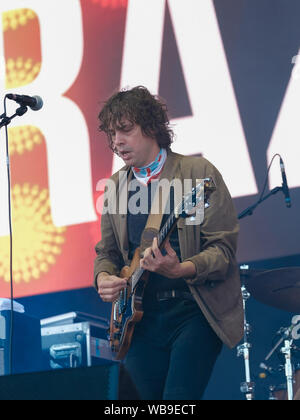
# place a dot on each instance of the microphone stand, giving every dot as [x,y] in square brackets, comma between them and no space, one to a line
[5,120]
[248,386]
[249,211]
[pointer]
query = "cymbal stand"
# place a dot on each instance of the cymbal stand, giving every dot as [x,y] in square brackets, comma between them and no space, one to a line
[248,386]
[286,350]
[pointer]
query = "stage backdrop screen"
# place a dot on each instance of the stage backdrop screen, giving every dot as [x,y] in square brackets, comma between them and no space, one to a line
[230,73]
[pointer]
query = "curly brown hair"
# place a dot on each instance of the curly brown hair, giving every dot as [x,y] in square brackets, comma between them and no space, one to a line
[137,106]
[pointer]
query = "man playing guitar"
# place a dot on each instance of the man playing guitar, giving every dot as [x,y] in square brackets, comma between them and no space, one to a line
[191,299]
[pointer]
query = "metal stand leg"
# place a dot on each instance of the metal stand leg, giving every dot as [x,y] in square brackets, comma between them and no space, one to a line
[247,387]
[286,350]
[288,335]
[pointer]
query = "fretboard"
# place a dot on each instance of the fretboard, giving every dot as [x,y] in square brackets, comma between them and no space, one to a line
[163,233]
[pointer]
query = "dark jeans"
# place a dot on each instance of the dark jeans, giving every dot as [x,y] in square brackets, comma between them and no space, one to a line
[173,351]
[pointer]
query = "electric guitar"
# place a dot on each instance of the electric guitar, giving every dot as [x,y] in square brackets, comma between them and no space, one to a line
[127,310]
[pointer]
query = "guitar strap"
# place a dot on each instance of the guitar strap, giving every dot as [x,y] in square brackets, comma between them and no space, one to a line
[159,203]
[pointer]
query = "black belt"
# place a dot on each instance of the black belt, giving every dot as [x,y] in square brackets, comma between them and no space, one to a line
[170,294]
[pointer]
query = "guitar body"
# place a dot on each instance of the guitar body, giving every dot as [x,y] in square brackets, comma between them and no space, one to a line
[127,311]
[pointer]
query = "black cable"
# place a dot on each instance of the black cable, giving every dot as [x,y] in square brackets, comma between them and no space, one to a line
[11,250]
[249,211]
[267,177]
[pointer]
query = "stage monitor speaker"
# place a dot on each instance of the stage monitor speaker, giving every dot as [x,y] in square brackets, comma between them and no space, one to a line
[26,344]
[105,382]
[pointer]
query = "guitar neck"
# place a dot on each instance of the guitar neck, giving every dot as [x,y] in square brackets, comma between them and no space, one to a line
[200,192]
[167,229]
[163,235]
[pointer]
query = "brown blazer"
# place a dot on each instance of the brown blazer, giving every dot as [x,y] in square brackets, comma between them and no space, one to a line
[211,247]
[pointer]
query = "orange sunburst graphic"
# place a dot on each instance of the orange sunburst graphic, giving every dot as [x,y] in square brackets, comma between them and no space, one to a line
[24,138]
[21,72]
[13,19]
[22,47]
[36,241]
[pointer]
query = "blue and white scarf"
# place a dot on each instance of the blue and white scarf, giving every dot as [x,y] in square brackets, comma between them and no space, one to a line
[151,171]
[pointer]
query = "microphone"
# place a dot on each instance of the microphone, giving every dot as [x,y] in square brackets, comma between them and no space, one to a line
[285,188]
[34,102]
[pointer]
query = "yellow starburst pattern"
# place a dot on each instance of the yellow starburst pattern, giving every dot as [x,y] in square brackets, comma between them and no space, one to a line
[13,19]
[36,241]
[24,138]
[21,72]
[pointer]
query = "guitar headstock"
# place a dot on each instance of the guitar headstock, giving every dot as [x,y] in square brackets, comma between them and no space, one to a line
[197,199]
